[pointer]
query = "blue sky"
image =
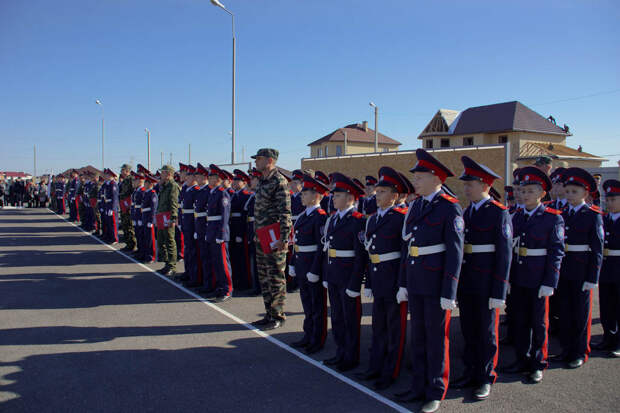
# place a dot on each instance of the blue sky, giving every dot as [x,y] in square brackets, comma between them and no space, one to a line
[304,68]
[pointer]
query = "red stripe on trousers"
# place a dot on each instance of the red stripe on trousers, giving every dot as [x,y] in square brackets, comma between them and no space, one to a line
[446,354]
[589,328]
[546,321]
[403,336]
[496,355]
[114,226]
[182,251]
[77,209]
[226,267]
[153,242]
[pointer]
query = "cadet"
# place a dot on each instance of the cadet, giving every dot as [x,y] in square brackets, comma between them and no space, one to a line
[201,200]
[344,270]
[248,209]
[59,194]
[125,191]
[558,196]
[168,205]
[509,195]
[71,195]
[384,245]
[306,264]
[609,282]
[369,203]
[581,267]
[148,207]
[81,197]
[179,239]
[136,214]
[297,208]
[218,234]
[272,205]
[539,235]
[326,202]
[430,267]
[111,209]
[239,249]
[188,227]
[484,277]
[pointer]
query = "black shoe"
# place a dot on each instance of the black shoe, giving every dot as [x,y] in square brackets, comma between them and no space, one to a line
[205,290]
[301,343]
[575,364]
[346,366]
[462,382]
[184,277]
[273,324]
[192,284]
[210,294]
[263,321]
[172,274]
[602,345]
[221,298]
[615,353]
[536,376]
[314,349]
[333,361]
[482,392]
[562,357]
[164,270]
[367,375]
[516,367]
[408,397]
[383,384]
[430,406]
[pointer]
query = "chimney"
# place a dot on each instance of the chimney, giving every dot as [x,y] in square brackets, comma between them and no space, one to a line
[365,125]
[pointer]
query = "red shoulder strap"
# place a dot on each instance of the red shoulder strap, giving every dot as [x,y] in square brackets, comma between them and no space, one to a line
[499,204]
[449,198]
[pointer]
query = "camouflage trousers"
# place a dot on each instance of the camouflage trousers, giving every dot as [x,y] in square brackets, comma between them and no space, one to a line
[167,246]
[270,268]
[129,234]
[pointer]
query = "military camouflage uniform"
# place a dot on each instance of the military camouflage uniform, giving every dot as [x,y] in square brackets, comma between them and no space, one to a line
[93,193]
[80,193]
[273,204]
[168,202]
[125,190]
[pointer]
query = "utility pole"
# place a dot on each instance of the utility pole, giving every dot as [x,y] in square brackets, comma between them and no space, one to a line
[162,160]
[170,158]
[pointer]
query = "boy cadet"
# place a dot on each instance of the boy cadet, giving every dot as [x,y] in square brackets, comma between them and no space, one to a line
[581,266]
[239,248]
[431,263]
[60,195]
[369,203]
[539,239]
[73,204]
[168,202]
[149,206]
[326,201]
[248,209]
[297,208]
[389,318]
[609,281]
[306,264]
[484,277]
[558,197]
[187,226]
[206,280]
[136,214]
[509,195]
[125,190]
[218,234]
[179,180]
[101,203]
[111,209]
[344,270]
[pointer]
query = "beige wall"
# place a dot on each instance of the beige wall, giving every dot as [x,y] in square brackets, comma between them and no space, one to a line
[360,166]
[352,148]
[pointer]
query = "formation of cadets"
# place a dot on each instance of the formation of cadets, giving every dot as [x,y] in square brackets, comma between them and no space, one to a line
[411,245]
[20,193]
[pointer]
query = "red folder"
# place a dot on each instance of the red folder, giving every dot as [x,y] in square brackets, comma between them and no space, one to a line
[162,220]
[93,202]
[125,204]
[268,236]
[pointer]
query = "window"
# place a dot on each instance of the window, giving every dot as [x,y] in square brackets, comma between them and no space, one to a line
[338,150]
[468,141]
[445,143]
[326,151]
[428,143]
[319,152]
[503,139]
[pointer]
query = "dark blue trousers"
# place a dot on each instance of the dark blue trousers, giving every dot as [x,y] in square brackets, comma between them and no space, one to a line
[149,245]
[531,317]
[389,333]
[575,308]
[220,262]
[346,316]
[190,253]
[314,301]
[609,301]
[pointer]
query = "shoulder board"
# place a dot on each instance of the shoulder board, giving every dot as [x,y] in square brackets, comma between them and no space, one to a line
[596,209]
[143,189]
[291,192]
[221,189]
[196,187]
[245,192]
[400,210]
[553,211]
[357,215]
[498,204]
[449,198]
[321,211]
[547,202]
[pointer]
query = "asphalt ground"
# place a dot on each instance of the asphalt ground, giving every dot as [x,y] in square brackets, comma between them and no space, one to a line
[83,328]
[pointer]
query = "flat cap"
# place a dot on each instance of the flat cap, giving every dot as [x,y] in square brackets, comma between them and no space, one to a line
[267,152]
[167,168]
[126,166]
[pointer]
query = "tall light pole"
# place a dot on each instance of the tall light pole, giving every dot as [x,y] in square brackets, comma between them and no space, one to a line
[376,130]
[148,148]
[219,4]
[97,101]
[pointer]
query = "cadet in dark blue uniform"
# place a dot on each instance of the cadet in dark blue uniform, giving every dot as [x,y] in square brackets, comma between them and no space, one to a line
[248,209]
[344,269]
[326,201]
[580,267]
[558,197]
[539,239]
[218,234]
[206,278]
[136,214]
[431,263]
[111,209]
[188,227]
[384,244]
[609,281]
[369,203]
[306,265]
[73,206]
[149,207]
[484,277]
[238,246]
[59,193]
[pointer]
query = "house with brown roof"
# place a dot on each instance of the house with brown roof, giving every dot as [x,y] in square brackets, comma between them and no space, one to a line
[351,139]
[527,133]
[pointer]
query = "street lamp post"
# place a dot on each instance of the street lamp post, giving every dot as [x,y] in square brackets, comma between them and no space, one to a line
[219,4]
[97,101]
[376,130]
[148,148]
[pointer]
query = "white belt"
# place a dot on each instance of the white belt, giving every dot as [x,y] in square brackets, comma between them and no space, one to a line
[611,253]
[201,214]
[146,209]
[250,219]
[341,253]
[388,256]
[415,251]
[530,252]
[576,248]
[306,248]
[187,211]
[235,214]
[60,197]
[294,217]
[107,200]
[214,218]
[473,248]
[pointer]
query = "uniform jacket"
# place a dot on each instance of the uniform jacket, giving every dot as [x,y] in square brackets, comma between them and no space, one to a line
[249,213]
[238,218]
[297,207]
[308,230]
[111,196]
[609,271]
[73,186]
[201,199]
[273,203]
[218,205]
[188,203]
[149,200]
[125,188]
[136,204]
[585,227]
[168,199]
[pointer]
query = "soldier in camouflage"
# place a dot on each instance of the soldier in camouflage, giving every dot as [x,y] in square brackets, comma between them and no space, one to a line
[125,190]
[168,203]
[272,205]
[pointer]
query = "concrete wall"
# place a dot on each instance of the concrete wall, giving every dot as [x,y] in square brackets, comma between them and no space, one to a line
[352,148]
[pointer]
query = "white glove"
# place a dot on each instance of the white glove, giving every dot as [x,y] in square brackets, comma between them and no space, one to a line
[545,291]
[324,284]
[180,228]
[291,271]
[139,222]
[352,293]
[238,239]
[368,293]
[447,304]
[149,224]
[195,235]
[110,213]
[508,289]
[402,295]
[134,223]
[496,303]
[588,286]
[313,278]
[219,241]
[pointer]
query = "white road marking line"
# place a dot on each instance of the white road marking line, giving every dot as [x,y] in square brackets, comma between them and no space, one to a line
[250,327]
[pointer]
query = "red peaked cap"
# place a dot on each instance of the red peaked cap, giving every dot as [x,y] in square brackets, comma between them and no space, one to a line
[427,163]
[151,178]
[190,169]
[343,183]
[358,182]
[477,172]
[557,176]
[370,180]
[255,173]
[241,176]
[215,170]
[298,174]
[201,170]
[530,175]
[143,170]
[313,184]
[182,167]
[611,187]
[510,193]
[410,188]
[580,177]
[320,175]
[389,177]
